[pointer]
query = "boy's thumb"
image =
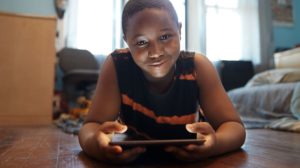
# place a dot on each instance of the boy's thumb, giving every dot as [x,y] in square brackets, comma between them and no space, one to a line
[121,128]
[190,128]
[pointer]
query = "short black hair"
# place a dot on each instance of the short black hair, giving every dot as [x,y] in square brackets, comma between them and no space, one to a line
[134,6]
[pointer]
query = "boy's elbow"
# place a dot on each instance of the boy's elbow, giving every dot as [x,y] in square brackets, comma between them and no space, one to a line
[241,134]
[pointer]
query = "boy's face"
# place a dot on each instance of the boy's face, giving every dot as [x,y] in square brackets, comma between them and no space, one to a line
[154,41]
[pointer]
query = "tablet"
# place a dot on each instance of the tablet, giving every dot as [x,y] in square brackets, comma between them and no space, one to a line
[123,141]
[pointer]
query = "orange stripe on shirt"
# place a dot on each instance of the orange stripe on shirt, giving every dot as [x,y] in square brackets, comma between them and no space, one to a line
[174,120]
[177,120]
[187,77]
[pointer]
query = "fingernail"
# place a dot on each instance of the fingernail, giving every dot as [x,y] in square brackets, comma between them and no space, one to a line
[123,130]
[189,127]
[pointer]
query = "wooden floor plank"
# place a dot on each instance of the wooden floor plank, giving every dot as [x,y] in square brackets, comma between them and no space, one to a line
[47,146]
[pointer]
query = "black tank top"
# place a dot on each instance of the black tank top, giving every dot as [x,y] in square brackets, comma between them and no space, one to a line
[158,116]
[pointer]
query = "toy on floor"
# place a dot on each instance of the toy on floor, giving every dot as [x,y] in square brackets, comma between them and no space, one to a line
[83,106]
[72,121]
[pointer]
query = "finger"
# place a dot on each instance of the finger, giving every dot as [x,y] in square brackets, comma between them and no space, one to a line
[133,152]
[127,155]
[175,150]
[195,148]
[103,139]
[201,136]
[199,127]
[180,153]
[103,143]
[170,149]
[113,127]
[115,149]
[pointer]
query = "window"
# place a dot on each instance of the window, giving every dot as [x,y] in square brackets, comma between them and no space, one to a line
[232,30]
[180,7]
[96,25]
[93,26]
[223,30]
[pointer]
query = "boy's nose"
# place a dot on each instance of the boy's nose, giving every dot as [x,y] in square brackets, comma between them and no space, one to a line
[155,51]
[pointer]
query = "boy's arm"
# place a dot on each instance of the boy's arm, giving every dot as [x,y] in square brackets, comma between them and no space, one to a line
[105,107]
[217,108]
[93,135]
[106,99]
[100,124]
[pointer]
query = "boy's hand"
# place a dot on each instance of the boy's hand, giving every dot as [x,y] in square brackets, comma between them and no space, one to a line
[115,153]
[193,152]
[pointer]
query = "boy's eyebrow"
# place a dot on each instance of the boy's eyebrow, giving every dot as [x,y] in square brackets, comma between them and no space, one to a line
[137,35]
[163,29]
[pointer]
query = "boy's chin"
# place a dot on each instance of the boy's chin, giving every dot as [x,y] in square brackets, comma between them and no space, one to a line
[152,77]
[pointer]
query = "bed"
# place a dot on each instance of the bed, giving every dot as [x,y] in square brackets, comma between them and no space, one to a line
[271,99]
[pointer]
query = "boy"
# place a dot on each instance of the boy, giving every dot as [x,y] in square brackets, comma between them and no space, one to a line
[159,92]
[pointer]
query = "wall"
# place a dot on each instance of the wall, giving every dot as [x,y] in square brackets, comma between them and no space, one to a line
[35,8]
[287,37]
[30,7]
[31,102]
[27,57]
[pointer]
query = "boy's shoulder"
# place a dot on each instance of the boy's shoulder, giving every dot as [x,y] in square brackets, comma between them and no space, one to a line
[121,51]
[191,56]
[186,56]
[122,58]
[121,54]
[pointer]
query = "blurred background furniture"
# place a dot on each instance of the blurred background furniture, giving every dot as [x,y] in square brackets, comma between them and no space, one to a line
[234,74]
[80,73]
[288,58]
[267,100]
[27,59]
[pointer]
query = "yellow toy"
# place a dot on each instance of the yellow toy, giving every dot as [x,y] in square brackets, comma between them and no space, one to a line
[82,109]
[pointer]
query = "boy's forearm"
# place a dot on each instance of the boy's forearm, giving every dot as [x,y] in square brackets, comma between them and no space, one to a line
[87,139]
[229,136]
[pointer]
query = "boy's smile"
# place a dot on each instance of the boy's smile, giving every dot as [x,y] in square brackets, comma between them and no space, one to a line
[154,41]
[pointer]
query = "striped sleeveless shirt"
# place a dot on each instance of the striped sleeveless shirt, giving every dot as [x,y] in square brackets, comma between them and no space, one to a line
[157,116]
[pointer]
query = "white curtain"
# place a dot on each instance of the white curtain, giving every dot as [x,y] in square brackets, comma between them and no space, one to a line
[245,35]
[71,23]
[196,33]
[250,40]
[94,25]
[257,43]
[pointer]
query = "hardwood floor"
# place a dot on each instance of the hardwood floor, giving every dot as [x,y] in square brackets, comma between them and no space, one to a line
[47,146]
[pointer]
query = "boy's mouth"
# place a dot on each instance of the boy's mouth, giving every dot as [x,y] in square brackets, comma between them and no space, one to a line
[157,63]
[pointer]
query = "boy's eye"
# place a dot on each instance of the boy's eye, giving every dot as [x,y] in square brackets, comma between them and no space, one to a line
[141,43]
[164,37]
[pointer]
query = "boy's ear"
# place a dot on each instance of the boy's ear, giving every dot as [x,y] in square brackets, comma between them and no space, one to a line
[124,38]
[179,27]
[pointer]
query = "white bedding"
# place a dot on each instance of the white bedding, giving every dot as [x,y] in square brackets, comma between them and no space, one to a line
[265,102]
[260,105]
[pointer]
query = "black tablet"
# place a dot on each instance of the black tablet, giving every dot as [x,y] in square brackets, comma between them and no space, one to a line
[123,141]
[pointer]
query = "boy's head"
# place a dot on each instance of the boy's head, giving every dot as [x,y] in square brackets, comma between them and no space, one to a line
[134,6]
[152,33]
